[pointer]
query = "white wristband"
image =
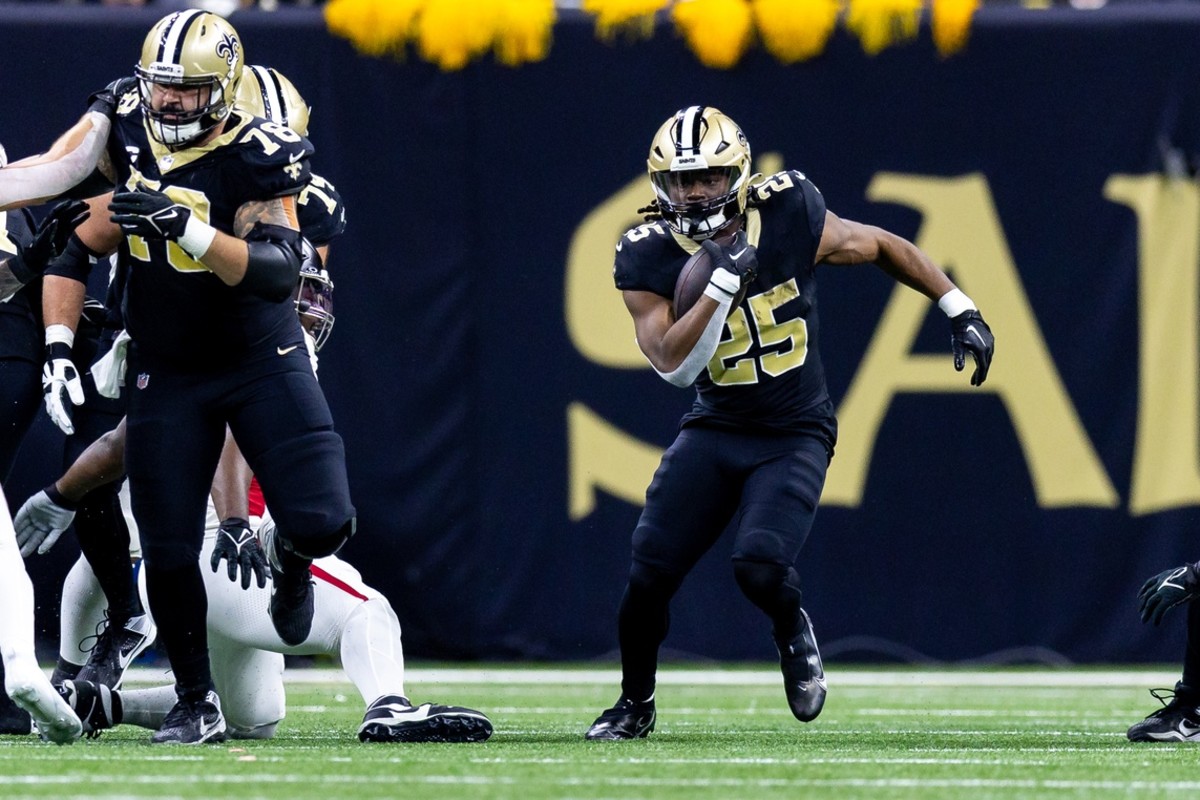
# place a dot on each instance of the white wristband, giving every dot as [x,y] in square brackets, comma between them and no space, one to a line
[954,302]
[722,285]
[197,237]
[60,334]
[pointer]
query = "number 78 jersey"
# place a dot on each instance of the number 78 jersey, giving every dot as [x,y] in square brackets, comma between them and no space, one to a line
[174,307]
[766,373]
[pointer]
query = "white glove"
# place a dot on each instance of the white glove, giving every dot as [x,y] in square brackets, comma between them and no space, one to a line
[109,371]
[39,523]
[59,374]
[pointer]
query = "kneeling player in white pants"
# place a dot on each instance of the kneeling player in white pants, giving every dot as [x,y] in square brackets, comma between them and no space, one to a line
[351,620]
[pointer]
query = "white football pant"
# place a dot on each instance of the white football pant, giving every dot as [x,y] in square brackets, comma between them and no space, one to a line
[24,680]
[351,621]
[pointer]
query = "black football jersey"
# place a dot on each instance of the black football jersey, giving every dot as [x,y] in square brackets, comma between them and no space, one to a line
[175,309]
[766,373]
[321,212]
[20,315]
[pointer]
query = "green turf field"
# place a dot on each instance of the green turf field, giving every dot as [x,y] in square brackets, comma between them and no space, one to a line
[885,733]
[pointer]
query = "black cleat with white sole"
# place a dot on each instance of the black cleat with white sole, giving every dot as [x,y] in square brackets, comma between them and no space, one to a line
[392,718]
[628,719]
[803,673]
[117,645]
[1176,721]
[193,722]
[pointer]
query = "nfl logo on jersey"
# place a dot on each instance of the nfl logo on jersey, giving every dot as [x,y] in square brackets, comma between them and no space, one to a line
[143,380]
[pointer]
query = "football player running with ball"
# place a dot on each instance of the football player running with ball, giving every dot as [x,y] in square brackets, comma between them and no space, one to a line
[206,204]
[754,449]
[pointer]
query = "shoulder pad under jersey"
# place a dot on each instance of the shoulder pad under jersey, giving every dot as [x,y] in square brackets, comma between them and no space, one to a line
[648,259]
[275,159]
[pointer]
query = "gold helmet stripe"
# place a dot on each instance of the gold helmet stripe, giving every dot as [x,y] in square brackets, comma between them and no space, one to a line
[170,48]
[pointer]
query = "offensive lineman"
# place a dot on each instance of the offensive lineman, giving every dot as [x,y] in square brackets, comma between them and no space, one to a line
[206,205]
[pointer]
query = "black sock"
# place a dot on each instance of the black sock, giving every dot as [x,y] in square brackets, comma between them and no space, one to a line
[180,608]
[104,539]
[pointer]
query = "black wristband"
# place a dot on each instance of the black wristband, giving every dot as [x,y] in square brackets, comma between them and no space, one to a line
[234,522]
[56,350]
[58,499]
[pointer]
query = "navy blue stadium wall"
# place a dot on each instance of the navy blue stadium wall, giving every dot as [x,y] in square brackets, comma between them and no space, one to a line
[502,427]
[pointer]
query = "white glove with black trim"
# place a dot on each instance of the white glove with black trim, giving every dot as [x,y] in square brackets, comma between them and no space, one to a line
[59,378]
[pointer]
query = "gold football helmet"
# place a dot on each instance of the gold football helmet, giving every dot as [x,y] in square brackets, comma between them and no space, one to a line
[189,51]
[266,93]
[699,138]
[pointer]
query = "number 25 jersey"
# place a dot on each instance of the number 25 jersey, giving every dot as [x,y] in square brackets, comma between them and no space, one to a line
[766,374]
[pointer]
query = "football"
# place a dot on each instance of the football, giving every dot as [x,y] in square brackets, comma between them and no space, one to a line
[693,279]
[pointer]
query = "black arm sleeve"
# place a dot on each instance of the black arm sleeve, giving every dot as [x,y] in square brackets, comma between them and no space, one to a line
[274,266]
[74,262]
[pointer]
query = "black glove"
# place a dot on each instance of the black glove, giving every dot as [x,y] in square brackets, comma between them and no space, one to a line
[105,101]
[738,260]
[49,240]
[970,334]
[237,543]
[1168,589]
[149,214]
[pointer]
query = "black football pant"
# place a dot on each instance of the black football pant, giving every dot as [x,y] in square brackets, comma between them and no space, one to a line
[20,398]
[176,429]
[765,487]
[99,519]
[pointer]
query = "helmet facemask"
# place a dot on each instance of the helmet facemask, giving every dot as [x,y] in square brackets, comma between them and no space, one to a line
[174,126]
[314,300]
[702,153]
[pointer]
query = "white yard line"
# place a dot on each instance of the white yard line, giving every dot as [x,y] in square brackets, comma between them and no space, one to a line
[767,676]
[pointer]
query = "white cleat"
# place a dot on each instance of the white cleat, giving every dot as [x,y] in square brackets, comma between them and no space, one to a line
[53,717]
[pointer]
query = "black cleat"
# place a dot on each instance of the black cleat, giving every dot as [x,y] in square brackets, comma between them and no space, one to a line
[1176,721]
[803,673]
[97,706]
[392,718]
[626,720]
[291,591]
[193,722]
[115,649]
[291,605]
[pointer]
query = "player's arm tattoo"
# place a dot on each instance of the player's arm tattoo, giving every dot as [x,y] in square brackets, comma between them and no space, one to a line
[280,211]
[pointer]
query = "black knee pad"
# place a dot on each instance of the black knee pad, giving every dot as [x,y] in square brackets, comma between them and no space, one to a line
[304,484]
[316,547]
[763,582]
